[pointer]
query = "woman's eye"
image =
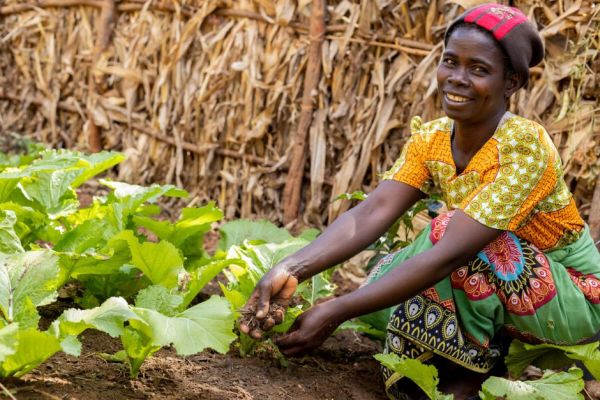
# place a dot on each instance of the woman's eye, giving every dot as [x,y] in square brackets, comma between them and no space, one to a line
[479,69]
[448,61]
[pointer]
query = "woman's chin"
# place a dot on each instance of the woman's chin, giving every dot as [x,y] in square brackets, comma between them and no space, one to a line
[458,114]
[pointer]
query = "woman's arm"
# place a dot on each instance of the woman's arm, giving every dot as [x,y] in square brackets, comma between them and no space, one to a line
[346,236]
[354,230]
[464,237]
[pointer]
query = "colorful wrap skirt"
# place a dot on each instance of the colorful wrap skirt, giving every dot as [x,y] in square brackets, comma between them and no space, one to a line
[509,288]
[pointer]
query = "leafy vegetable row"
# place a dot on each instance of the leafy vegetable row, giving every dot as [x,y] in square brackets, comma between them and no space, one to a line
[139,272]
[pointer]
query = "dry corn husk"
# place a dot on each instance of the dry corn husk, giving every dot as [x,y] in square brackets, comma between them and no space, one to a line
[207,93]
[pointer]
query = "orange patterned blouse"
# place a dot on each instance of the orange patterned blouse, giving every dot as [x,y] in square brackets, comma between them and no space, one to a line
[513,183]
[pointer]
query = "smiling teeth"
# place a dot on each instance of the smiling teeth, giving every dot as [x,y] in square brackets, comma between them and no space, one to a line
[456,98]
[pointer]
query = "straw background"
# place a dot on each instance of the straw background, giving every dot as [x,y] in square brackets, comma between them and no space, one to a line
[213,94]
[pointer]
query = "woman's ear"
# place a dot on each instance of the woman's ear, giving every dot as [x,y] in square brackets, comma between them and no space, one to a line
[512,84]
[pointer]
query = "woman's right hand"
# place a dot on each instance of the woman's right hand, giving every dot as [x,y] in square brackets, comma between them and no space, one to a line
[268,302]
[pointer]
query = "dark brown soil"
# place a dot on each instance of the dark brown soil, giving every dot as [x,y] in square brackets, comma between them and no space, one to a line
[343,368]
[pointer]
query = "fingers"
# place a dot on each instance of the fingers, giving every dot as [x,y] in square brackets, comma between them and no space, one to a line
[244,327]
[278,316]
[268,323]
[287,291]
[294,344]
[256,334]
[294,351]
[264,297]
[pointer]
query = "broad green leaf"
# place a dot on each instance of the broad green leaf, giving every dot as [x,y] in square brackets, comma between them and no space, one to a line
[91,234]
[126,282]
[360,326]
[33,348]
[126,199]
[7,187]
[27,279]
[107,261]
[96,210]
[9,241]
[235,298]
[30,224]
[137,195]
[138,347]
[159,298]
[191,222]
[95,164]
[109,318]
[162,229]
[71,345]
[26,314]
[160,262]
[552,386]
[205,325]
[291,313]
[356,195]
[52,190]
[318,287]
[546,356]
[309,234]
[201,276]
[258,259]
[234,233]
[8,340]
[194,221]
[425,376]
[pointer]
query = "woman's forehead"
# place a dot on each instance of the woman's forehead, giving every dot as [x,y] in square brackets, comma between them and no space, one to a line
[473,42]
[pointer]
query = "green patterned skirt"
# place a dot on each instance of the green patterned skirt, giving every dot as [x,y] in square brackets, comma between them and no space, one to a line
[509,288]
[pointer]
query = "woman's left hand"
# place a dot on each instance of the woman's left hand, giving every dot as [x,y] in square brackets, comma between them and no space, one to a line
[309,330]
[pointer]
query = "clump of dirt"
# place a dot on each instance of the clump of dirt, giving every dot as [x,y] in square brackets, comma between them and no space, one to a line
[343,368]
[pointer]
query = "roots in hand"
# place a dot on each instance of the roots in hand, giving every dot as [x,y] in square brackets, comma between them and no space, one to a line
[258,326]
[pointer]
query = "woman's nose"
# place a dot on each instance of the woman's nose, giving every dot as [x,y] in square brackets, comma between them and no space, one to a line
[459,77]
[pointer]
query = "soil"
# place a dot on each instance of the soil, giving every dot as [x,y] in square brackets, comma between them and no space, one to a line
[343,368]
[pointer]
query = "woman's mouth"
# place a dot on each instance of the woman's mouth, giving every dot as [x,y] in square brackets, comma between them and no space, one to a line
[456,98]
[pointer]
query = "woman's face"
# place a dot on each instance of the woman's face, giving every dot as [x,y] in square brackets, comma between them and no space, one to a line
[471,77]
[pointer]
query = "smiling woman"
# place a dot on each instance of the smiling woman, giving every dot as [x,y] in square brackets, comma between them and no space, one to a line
[512,257]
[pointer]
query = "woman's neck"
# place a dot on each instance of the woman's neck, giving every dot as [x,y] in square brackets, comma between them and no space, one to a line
[468,138]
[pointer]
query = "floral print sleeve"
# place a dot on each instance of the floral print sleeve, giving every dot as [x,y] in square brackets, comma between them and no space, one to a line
[410,167]
[522,177]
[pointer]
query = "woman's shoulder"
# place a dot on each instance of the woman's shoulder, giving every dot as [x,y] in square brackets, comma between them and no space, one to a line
[517,130]
[526,142]
[428,131]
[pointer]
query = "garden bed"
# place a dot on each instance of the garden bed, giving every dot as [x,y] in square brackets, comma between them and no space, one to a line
[343,368]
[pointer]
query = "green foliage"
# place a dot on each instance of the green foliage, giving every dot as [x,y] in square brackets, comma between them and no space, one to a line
[265,246]
[360,326]
[28,349]
[356,195]
[425,376]
[234,233]
[551,356]
[9,240]
[552,386]
[117,246]
[27,280]
[145,330]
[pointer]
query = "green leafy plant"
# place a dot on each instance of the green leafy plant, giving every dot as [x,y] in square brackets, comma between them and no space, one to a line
[551,356]
[27,280]
[424,376]
[264,246]
[117,246]
[157,320]
[551,386]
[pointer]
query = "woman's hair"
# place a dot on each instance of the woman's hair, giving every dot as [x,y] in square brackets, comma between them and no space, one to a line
[508,67]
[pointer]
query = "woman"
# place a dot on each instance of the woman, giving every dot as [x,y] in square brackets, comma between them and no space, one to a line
[513,256]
